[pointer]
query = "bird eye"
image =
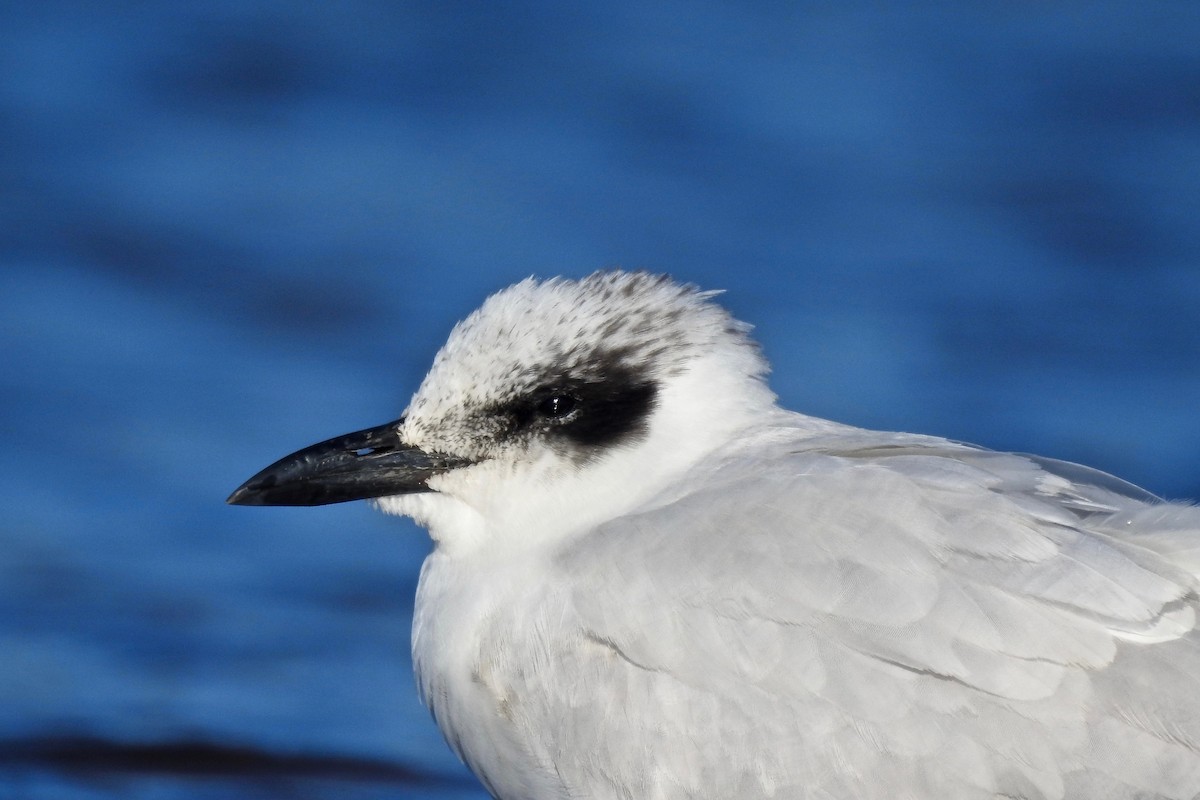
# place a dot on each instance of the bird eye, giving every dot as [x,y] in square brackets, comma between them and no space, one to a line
[557,406]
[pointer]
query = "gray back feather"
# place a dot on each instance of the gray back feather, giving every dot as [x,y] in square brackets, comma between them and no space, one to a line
[896,611]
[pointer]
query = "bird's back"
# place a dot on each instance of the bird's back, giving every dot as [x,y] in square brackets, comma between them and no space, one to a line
[842,615]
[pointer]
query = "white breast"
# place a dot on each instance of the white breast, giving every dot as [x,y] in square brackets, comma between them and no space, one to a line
[473,657]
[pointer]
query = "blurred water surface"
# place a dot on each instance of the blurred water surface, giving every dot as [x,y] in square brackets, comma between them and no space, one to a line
[232,229]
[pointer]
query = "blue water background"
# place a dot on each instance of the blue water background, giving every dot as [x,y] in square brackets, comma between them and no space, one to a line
[232,229]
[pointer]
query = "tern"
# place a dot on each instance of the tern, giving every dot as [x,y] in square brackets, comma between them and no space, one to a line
[649,581]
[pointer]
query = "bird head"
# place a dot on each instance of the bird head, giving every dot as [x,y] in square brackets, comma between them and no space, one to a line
[553,399]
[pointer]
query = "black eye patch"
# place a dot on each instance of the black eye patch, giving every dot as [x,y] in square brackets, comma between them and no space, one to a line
[609,413]
[606,409]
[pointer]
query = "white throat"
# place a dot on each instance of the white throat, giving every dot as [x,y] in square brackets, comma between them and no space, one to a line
[503,506]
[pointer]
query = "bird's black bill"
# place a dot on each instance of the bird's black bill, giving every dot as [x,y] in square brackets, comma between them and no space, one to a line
[357,466]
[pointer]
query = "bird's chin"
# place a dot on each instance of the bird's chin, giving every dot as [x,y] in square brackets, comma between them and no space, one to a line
[447,519]
[418,506]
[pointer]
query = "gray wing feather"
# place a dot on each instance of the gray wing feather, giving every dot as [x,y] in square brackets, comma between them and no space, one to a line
[905,618]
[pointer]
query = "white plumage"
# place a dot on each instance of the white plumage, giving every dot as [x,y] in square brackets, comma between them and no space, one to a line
[709,597]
